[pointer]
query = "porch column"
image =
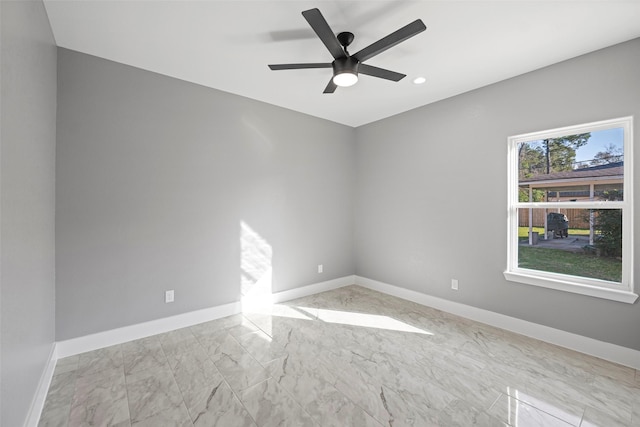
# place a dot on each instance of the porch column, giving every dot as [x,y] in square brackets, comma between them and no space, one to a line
[591,197]
[530,217]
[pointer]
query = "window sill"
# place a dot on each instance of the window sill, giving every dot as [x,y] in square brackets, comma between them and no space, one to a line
[576,288]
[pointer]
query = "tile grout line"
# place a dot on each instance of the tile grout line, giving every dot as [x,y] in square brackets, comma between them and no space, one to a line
[224,379]
[272,377]
[126,385]
[233,391]
[173,376]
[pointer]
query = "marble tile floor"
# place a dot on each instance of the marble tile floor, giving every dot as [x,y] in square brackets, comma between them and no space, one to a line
[347,357]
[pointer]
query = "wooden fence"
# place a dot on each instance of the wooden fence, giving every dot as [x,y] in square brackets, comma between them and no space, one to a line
[578,218]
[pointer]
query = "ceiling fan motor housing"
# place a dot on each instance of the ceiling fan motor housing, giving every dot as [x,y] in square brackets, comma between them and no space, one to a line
[345,65]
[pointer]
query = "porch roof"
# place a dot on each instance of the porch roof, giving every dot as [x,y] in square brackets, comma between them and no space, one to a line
[612,172]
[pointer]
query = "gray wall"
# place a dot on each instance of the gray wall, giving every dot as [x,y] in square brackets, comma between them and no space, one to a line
[155,177]
[431,190]
[27,193]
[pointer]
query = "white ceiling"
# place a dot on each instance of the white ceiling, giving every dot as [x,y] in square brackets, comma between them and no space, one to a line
[227,44]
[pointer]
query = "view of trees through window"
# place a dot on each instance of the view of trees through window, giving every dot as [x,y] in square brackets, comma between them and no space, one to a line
[583,169]
[550,155]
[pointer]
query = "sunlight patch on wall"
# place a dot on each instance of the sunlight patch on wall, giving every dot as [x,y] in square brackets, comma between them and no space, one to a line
[255,267]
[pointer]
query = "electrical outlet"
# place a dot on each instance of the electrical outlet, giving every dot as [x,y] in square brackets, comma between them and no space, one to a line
[168,296]
[454,284]
[320,268]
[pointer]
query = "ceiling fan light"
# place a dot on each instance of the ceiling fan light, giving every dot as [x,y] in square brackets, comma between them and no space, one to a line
[345,79]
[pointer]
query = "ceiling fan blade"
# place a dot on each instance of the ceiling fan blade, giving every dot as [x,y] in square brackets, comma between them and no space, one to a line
[380,72]
[391,40]
[299,66]
[322,29]
[331,87]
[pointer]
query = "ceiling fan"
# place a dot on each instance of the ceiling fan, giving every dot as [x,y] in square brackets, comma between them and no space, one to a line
[346,66]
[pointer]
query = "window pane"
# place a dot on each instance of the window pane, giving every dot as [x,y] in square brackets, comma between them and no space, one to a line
[578,242]
[572,167]
[608,191]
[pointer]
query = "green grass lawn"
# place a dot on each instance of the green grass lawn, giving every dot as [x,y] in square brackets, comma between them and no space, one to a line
[565,262]
[524,231]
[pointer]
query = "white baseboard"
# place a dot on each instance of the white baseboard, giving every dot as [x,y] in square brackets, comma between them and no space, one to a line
[33,418]
[315,288]
[611,352]
[141,330]
[614,353]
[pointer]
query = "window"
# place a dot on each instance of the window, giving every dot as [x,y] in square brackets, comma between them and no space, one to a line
[570,209]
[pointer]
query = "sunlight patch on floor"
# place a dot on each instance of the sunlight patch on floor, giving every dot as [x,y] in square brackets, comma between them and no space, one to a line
[365,320]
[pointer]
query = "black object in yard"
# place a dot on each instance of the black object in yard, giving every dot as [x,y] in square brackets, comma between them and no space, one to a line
[558,223]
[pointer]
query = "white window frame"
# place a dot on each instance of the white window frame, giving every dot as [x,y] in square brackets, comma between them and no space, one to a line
[622,292]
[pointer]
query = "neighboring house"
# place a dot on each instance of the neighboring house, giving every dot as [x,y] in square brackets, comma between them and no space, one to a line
[579,184]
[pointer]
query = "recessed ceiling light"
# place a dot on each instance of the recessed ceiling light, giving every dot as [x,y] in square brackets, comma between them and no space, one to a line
[419,80]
